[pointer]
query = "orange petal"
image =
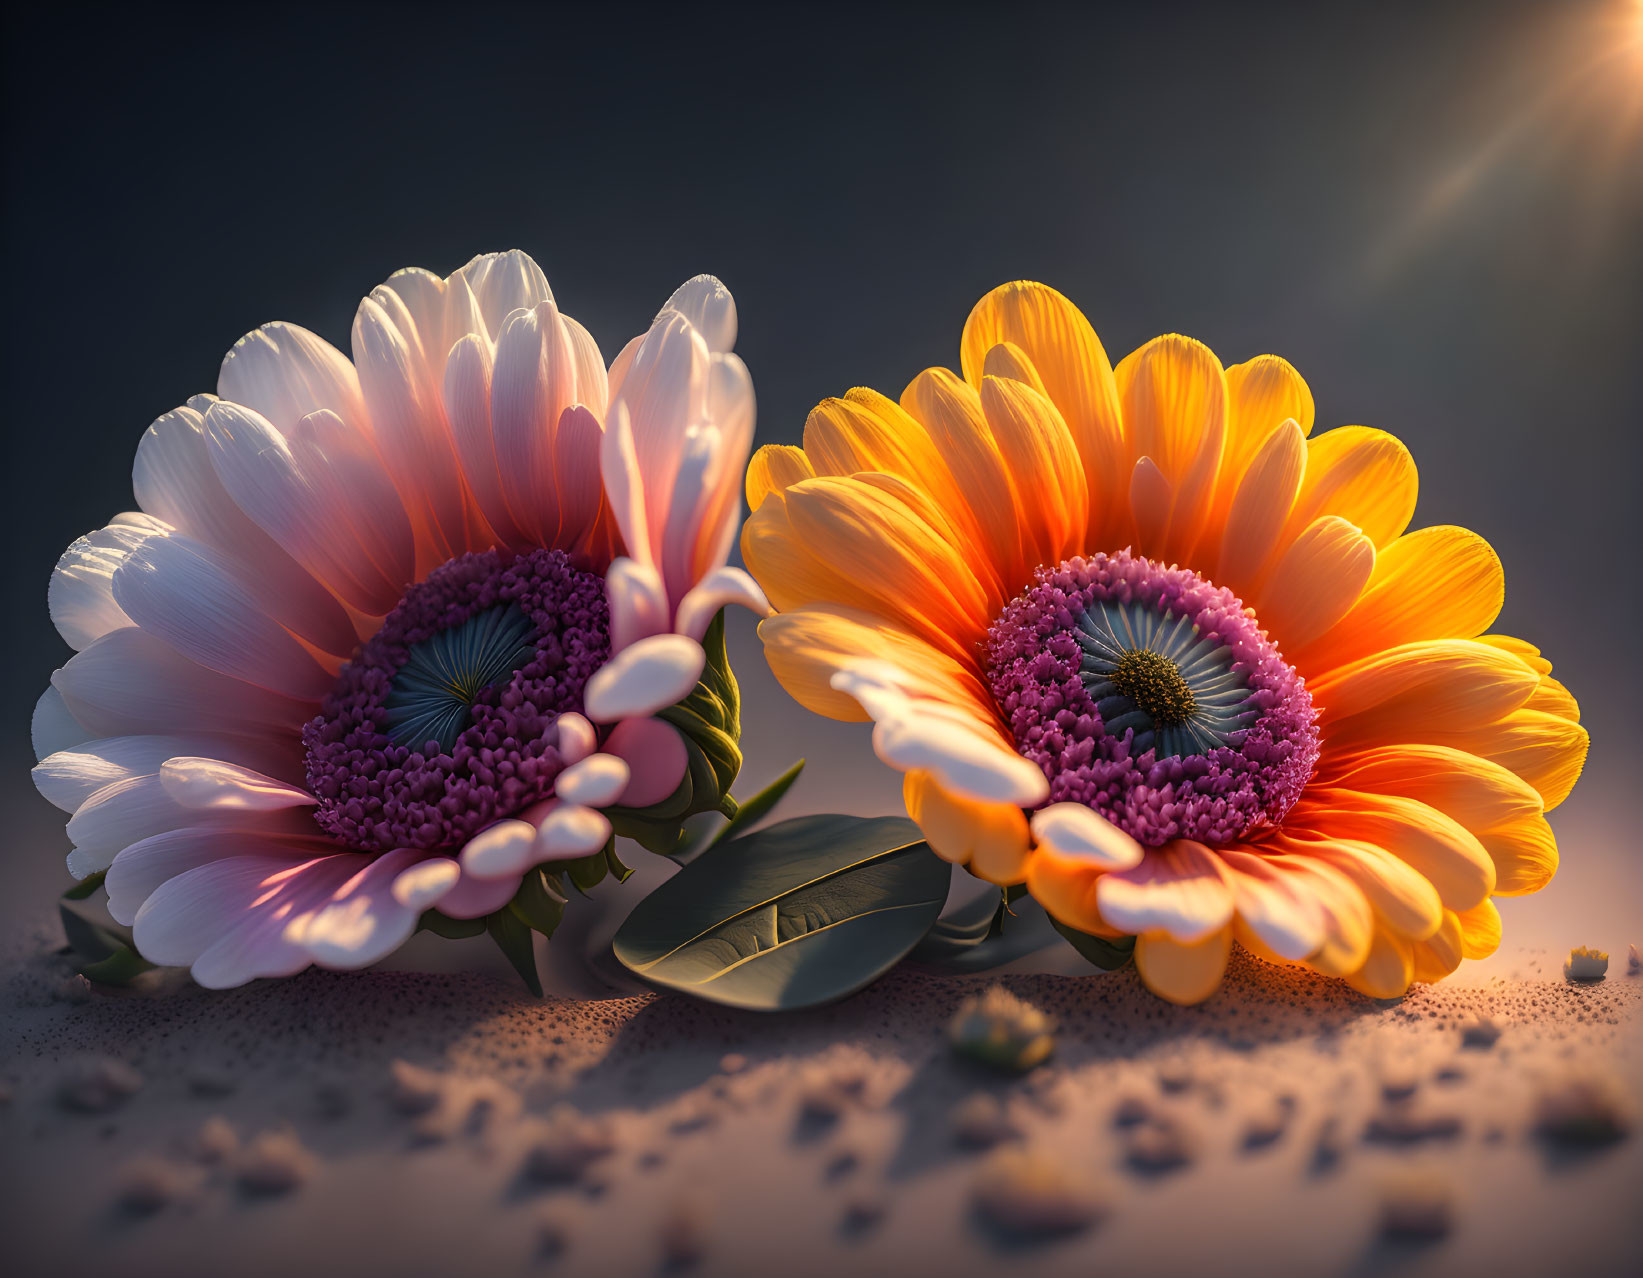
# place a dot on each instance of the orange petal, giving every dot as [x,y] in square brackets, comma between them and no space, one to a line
[1151,499]
[1009,360]
[1387,969]
[1074,370]
[1436,583]
[1183,973]
[1262,394]
[1441,953]
[1440,848]
[843,540]
[1521,649]
[1273,906]
[1260,509]
[1401,896]
[1174,395]
[1551,697]
[1362,475]
[1438,685]
[1046,476]
[1524,852]
[990,838]
[1315,583]
[1480,930]
[1474,791]
[808,646]
[1546,750]
[773,468]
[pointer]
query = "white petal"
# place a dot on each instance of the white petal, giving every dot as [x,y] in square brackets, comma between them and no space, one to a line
[69,777]
[183,592]
[500,850]
[592,384]
[638,603]
[502,283]
[596,782]
[644,678]
[1076,831]
[570,832]
[211,784]
[80,596]
[1178,888]
[708,305]
[420,887]
[467,395]
[140,869]
[624,482]
[285,372]
[721,587]
[577,737]
[52,728]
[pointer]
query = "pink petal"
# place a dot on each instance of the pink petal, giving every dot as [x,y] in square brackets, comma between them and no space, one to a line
[709,307]
[656,759]
[284,372]
[569,833]
[577,485]
[500,851]
[213,785]
[52,728]
[142,867]
[638,603]
[185,593]
[596,782]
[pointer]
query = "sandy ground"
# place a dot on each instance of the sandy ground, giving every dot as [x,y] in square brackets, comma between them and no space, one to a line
[395,1122]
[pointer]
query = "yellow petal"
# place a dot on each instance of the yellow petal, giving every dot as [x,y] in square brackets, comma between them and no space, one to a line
[1525,855]
[1400,895]
[1360,474]
[1432,686]
[843,540]
[1046,475]
[1174,395]
[1520,648]
[773,468]
[1441,953]
[1437,583]
[1474,791]
[1009,360]
[1183,973]
[1262,394]
[1387,969]
[1260,509]
[808,646]
[1441,849]
[1074,370]
[1315,583]
[1551,697]
[1480,930]
[990,838]
[1546,750]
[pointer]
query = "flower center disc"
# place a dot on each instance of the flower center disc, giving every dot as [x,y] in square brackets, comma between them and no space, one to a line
[443,721]
[1152,696]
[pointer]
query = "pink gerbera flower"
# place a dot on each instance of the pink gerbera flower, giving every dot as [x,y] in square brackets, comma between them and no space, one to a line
[386,634]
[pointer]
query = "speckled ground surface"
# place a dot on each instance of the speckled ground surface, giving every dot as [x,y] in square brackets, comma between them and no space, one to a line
[408,1124]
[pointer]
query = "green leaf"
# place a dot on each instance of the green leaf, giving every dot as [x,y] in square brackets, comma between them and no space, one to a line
[962,930]
[451,929]
[86,886]
[1103,952]
[751,811]
[512,935]
[121,967]
[794,915]
[540,901]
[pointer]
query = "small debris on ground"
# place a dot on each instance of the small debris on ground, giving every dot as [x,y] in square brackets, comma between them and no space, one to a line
[1161,1144]
[1585,964]
[211,1086]
[1479,1032]
[568,1145]
[1407,1123]
[415,1090]
[148,1183]
[216,1141]
[732,1063]
[275,1162]
[1416,1206]
[682,1233]
[1266,1121]
[979,1122]
[97,1086]
[1130,1110]
[862,1214]
[1634,961]
[1584,1111]
[1026,1194]
[998,1029]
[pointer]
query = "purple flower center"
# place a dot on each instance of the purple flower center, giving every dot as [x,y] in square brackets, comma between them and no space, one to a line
[442,723]
[1152,696]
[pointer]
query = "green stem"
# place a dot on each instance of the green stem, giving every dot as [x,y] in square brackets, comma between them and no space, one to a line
[729,807]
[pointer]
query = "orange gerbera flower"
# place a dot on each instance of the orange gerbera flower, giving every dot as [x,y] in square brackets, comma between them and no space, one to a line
[1138,642]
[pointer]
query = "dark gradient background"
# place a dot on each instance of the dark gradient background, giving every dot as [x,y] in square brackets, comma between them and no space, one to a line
[1389,195]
